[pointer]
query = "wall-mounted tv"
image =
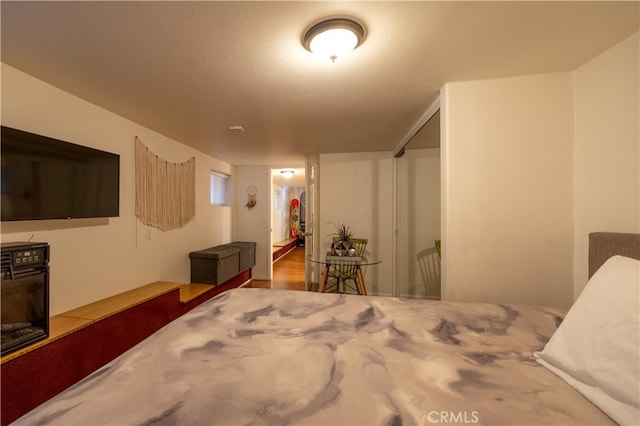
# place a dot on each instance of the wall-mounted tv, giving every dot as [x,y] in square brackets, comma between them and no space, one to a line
[46,178]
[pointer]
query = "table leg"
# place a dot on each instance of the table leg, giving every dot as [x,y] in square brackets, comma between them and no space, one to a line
[323,283]
[361,287]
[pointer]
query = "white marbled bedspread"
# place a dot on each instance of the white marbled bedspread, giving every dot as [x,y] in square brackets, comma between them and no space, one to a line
[277,357]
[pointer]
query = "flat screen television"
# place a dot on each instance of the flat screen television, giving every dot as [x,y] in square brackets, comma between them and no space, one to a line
[46,178]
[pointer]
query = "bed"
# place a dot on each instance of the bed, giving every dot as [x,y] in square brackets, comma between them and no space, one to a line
[276,357]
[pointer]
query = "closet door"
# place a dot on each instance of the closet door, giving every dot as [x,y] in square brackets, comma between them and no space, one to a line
[418,214]
[312,270]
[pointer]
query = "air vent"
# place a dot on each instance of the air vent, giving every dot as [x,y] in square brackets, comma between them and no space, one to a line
[5,261]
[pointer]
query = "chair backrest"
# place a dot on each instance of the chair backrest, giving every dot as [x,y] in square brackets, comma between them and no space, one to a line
[360,244]
[429,263]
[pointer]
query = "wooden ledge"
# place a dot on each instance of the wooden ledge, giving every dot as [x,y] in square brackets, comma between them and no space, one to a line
[68,322]
[189,292]
[121,302]
[285,242]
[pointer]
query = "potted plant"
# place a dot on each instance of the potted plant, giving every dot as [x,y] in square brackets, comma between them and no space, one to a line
[341,240]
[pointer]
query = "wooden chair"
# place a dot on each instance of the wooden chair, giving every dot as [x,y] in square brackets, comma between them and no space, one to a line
[429,263]
[348,274]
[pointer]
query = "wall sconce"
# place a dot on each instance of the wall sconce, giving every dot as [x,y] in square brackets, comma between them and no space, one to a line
[334,38]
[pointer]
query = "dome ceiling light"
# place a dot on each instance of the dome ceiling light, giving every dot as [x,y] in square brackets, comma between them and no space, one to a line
[287,173]
[333,39]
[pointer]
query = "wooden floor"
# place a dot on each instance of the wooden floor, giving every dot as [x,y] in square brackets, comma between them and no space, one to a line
[288,272]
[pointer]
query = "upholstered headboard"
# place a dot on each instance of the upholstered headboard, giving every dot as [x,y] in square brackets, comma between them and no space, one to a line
[603,245]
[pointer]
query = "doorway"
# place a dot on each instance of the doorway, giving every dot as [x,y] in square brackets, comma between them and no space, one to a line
[288,222]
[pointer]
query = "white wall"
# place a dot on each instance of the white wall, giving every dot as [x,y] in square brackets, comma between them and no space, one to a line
[93,259]
[507,195]
[356,189]
[254,224]
[607,149]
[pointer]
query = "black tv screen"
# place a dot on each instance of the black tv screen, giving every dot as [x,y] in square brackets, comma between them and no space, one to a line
[46,178]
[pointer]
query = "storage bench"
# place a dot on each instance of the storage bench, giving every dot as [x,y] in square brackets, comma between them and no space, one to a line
[247,255]
[214,265]
[218,264]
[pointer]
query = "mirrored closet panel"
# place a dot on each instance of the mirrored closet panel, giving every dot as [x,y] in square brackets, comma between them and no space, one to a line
[418,214]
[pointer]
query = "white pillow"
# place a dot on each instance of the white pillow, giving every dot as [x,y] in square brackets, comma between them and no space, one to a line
[596,349]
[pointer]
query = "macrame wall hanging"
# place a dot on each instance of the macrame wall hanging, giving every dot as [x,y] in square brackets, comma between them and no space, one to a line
[165,192]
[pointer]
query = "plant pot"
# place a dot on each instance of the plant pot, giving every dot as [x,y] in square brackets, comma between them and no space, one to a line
[340,248]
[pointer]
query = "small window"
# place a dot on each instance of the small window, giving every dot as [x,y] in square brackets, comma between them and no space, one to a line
[219,189]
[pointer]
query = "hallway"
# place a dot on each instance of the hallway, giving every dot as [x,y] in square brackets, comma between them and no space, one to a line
[288,272]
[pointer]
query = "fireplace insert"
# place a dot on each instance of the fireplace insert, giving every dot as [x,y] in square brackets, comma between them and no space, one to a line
[24,294]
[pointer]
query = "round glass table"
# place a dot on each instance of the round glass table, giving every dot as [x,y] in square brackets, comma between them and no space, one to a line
[343,269]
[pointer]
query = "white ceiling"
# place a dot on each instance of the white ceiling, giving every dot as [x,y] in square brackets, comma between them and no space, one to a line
[189,70]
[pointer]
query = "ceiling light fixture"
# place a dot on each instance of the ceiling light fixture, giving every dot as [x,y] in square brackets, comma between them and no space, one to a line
[333,39]
[287,173]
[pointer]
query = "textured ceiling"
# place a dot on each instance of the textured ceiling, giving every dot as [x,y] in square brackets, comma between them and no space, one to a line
[189,70]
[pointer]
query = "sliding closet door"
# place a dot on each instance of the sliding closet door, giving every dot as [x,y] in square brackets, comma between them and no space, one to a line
[418,214]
